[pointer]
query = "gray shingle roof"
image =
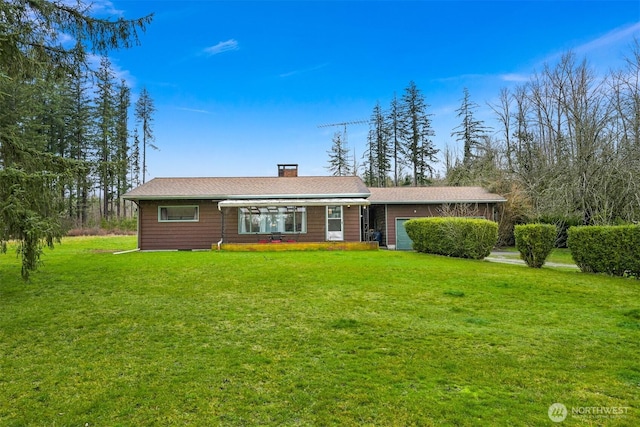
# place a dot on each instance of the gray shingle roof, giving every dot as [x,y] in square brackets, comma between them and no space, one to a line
[303,187]
[250,187]
[432,195]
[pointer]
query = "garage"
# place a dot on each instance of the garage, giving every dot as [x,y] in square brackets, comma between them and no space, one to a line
[403,242]
[391,207]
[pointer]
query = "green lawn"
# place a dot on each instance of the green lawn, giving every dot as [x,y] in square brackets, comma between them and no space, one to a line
[310,338]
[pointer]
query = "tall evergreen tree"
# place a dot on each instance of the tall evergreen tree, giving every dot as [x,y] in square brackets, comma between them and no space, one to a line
[57,126]
[339,161]
[369,161]
[479,159]
[144,117]
[122,145]
[381,148]
[396,136]
[106,134]
[81,144]
[418,148]
[134,160]
[471,131]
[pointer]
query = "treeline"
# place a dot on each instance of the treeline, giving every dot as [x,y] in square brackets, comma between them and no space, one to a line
[399,151]
[82,115]
[566,147]
[65,141]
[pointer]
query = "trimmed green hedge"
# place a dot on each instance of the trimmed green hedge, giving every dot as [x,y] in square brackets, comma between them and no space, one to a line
[456,237]
[535,242]
[614,250]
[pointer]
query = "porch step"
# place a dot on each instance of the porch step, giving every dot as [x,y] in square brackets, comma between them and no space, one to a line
[298,246]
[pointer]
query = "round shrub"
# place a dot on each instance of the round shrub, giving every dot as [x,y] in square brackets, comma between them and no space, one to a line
[453,236]
[535,242]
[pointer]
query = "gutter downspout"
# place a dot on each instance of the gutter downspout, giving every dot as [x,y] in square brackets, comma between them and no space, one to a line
[139,231]
[222,228]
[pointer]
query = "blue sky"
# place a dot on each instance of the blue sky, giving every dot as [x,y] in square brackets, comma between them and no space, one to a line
[241,86]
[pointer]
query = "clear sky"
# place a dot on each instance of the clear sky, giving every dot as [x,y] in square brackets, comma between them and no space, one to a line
[241,86]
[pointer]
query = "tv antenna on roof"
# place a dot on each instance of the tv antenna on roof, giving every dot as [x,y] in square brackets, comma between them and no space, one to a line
[354,122]
[344,133]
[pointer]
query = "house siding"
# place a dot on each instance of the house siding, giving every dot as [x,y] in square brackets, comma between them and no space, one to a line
[155,235]
[316,220]
[352,223]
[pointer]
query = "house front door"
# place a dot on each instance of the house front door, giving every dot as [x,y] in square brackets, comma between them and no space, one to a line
[334,223]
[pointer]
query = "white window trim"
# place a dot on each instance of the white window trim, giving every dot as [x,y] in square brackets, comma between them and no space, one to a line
[196,219]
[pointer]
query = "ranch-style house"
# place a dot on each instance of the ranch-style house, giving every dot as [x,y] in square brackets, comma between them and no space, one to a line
[198,213]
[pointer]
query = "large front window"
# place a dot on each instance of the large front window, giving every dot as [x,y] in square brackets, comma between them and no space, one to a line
[272,219]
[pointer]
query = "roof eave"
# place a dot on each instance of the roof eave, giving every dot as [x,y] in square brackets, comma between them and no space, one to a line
[432,202]
[136,198]
[341,201]
[298,196]
[243,197]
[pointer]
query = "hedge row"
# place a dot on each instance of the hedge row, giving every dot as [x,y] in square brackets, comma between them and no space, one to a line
[613,250]
[456,237]
[535,242]
[562,223]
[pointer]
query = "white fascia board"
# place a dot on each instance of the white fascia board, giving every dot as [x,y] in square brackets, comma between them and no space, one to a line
[432,202]
[248,196]
[296,196]
[239,203]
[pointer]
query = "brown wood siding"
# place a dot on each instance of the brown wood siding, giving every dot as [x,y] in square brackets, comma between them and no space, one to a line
[420,211]
[351,223]
[316,224]
[156,235]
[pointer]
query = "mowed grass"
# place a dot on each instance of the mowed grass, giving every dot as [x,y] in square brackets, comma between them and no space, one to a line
[309,338]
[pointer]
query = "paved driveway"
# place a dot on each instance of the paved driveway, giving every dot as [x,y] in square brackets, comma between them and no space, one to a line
[509,258]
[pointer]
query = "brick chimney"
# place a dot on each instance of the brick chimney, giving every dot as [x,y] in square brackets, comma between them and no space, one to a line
[287,170]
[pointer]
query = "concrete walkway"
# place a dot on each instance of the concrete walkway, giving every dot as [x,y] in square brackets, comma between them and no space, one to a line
[508,258]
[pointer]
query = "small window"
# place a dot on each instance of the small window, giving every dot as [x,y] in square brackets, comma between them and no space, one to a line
[178,213]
